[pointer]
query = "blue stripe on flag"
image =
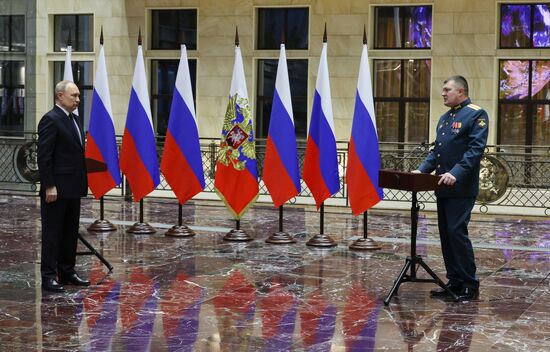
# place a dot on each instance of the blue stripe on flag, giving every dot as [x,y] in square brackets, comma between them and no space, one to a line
[366,142]
[139,126]
[183,128]
[281,131]
[103,133]
[322,135]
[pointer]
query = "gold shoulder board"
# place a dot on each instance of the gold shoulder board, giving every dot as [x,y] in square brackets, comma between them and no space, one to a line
[474,106]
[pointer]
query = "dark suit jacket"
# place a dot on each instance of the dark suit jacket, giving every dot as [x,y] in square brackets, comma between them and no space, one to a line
[61,155]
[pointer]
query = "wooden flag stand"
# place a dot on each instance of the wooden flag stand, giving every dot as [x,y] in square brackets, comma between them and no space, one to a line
[320,239]
[280,237]
[237,235]
[101,225]
[180,230]
[365,243]
[141,228]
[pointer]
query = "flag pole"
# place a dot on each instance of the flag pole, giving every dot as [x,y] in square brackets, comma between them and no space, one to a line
[236,234]
[141,227]
[320,239]
[365,243]
[100,225]
[179,230]
[281,237]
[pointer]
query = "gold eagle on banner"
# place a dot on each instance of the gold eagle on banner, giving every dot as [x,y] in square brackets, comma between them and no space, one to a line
[237,143]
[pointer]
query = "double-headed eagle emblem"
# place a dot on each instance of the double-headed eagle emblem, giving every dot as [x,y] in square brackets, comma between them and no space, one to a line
[237,143]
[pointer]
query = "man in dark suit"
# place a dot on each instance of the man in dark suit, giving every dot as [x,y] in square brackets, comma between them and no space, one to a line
[460,142]
[63,182]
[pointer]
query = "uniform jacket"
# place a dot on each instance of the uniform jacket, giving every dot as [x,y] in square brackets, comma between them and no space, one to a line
[61,155]
[459,145]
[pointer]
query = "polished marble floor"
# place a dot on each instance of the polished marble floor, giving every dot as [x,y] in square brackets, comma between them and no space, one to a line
[206,294]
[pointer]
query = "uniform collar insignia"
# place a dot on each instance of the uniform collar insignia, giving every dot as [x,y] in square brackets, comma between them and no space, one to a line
[461,105]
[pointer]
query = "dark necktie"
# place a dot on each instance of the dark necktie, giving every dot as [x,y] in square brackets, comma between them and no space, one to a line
[73,121]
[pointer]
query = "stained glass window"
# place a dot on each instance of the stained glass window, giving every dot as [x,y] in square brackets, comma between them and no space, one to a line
[524,100]
[525,25]
[398,27]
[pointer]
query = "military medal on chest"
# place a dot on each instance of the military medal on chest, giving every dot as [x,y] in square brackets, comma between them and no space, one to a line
[455,127]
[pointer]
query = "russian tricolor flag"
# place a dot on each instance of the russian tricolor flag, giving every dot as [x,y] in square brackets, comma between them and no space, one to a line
[321,161]
[363,155]
[181,162]
[138,157]
[281,172]
[101,142]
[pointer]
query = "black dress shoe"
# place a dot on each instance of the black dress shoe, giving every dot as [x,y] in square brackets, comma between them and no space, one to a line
[52,285]
[74,279]
[468,294]
[441,292]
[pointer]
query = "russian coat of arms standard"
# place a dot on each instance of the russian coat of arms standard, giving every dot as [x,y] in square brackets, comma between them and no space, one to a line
[237,143]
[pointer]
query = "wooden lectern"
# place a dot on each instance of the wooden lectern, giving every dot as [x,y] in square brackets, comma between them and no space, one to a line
[412,182]
[93,165]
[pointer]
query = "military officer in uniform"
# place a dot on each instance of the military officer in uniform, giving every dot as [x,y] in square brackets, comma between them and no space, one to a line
[459,145]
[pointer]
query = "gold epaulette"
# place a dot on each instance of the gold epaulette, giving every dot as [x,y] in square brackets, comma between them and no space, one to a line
[474,106]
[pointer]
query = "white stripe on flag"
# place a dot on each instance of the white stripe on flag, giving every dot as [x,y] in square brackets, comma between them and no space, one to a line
[139,83]
[238,81]
[183,82]
[322,87]
[364,87]
[282,85]
[101,84]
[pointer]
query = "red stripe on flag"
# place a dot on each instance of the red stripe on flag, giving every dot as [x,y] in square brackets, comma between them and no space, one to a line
[312,174]
[276,178]
[238,189]
[177,171]
[134,169]
[359,183]
[99,182]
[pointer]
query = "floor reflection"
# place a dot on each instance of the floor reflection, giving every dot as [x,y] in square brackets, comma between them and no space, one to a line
[205,294]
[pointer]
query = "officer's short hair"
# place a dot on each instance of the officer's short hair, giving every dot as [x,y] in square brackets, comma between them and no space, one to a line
[460,82]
